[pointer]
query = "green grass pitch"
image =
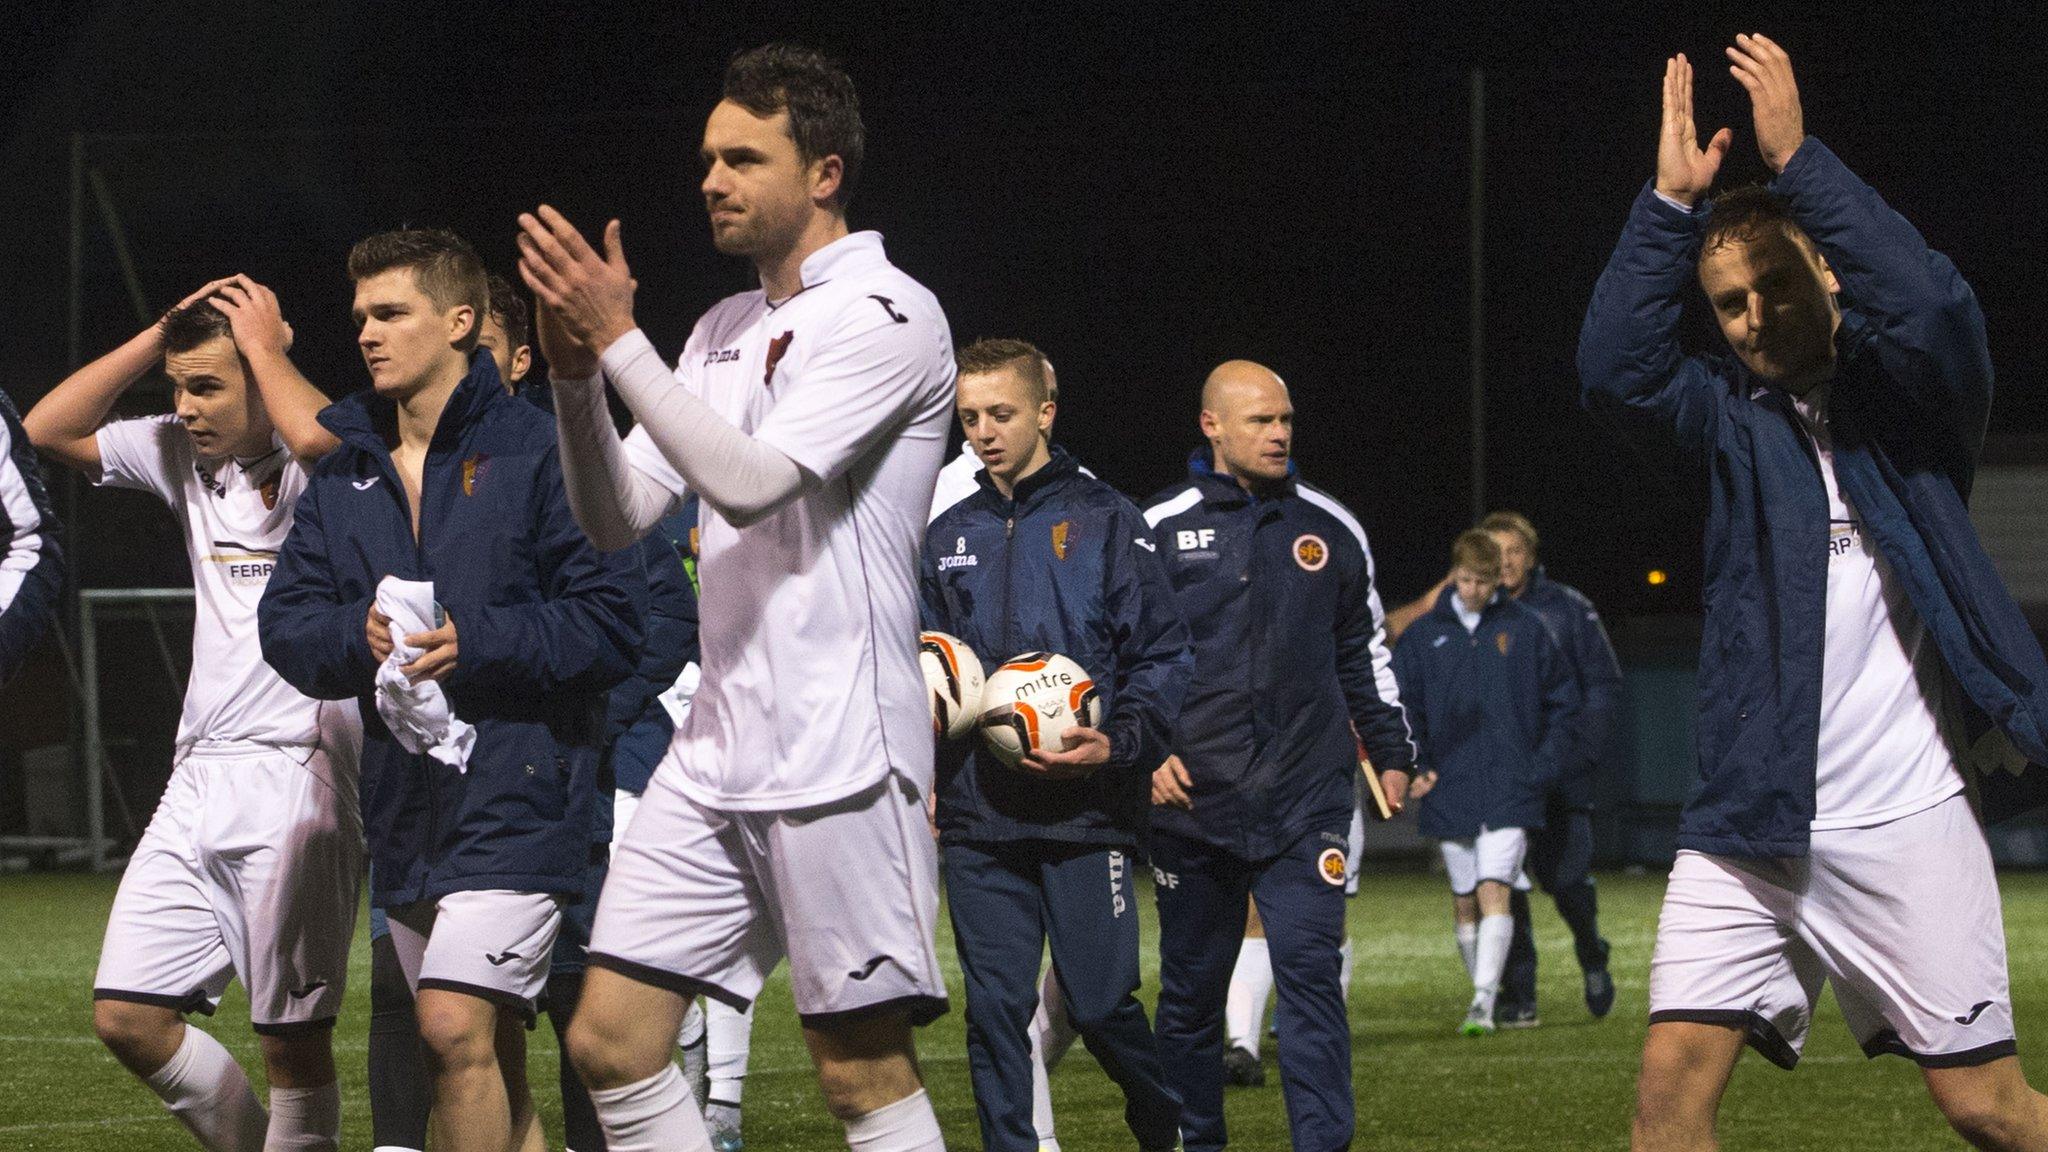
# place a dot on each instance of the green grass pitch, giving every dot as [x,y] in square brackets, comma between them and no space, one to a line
[1419,1085]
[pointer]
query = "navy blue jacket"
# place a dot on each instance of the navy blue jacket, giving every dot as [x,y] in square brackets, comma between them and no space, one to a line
[640,724]
[1909,401]
[1575,625]
[1491,709]
[1067,566]
[1290,657]
[545,624]
[34,581]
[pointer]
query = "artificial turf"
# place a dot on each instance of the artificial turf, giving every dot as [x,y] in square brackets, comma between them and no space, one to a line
[1419,1085]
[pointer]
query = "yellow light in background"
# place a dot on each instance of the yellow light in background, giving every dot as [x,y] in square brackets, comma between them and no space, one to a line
[1657,577]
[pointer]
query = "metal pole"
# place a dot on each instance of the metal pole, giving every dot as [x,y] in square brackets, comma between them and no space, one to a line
[1476,334]
[118,237]
[95,754]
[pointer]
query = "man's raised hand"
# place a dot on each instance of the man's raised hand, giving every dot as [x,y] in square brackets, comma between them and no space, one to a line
[1763,68]
[1684,169]
[590,295]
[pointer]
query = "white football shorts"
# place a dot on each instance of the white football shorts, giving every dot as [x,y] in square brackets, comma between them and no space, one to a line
[1902,918]
[1495,854]
[701,901]
[251,867]
[489,943]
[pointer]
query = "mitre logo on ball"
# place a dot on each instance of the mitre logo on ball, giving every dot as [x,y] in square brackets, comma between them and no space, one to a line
[1029,703]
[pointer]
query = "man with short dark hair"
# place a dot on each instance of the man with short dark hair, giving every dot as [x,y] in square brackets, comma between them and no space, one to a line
[809,417]
[1863,669]
[444,508]
[252,863]
[1275,580]
[1560,853]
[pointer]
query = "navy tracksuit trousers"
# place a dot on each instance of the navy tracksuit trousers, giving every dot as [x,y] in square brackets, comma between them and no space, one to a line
[1561,861]
[1201,891]
[1007,900]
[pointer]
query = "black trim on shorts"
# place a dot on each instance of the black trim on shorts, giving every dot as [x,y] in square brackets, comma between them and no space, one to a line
[688,987]
[183,1005]
[1888,1043]
[498,996]
[1758,1032]
[294,1027]
[922,1010]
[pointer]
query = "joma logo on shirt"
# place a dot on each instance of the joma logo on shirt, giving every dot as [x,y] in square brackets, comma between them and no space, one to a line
[721,356]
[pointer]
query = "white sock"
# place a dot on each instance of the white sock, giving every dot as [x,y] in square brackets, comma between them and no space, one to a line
[305,1119]
[1345,964]
[652,1115]
[692,1031]
[1251,982]
[1495,933]
[908,1125]
[210,1095]
[728,1034]
[696,1067]
[1051,1028]
[1041,1089]
[1468,947]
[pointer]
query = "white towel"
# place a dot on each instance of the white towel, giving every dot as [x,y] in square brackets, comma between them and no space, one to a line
[418,714]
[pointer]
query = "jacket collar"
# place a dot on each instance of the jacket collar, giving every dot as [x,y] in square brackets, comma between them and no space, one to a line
[367,421]
[1061,468]
[1223,489]
[1447,607]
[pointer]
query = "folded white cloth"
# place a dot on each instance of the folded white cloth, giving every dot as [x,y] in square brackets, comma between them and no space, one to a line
[418,714]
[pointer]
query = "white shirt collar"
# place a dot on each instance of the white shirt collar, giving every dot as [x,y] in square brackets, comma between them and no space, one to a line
[852,253]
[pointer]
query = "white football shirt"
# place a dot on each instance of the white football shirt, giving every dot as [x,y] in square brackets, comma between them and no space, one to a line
[956,481]
[235,515]
[1883,754]
[811,689]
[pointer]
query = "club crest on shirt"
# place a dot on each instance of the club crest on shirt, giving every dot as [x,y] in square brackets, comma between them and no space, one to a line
[1310,552]
[776,348]
[473,470]
[696,540]
[1330,866]
[268,490]
[1500,641]
[1062,534]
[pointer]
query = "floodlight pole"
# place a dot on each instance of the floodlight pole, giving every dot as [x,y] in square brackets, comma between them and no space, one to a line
[1476,331]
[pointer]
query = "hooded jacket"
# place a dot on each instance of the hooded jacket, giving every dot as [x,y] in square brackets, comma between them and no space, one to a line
[1491,709]
[1066,565]
[1290,656]
[1909,401]
[544,625]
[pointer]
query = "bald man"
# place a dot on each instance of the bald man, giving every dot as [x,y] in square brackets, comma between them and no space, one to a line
[1274,578]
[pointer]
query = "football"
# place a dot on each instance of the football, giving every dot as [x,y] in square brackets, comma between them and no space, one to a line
[952,681]
[1031,701]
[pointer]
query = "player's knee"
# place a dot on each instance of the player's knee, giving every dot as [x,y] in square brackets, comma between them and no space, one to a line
[1989,1112]
[456,1035]
[603,1052]
[141,1036]
[855,1088]
[301,1060]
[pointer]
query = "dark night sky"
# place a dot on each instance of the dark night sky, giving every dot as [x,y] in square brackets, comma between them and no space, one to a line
[1142,195]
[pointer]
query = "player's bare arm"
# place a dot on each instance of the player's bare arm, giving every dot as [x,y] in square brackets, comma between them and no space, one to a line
[1684,169]
[264,339]
[65,422]
[1764,69]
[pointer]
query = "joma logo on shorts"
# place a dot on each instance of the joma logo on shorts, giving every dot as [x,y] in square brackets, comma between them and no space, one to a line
[1116,884]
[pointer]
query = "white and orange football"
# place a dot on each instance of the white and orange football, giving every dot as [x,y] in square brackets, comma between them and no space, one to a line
[1031,701]
[952,680]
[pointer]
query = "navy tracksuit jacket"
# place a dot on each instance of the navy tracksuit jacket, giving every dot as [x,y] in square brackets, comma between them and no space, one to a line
[1290,656]
[1491,710]
[1064,565]
[1909,403]
[545,624]
[28,539]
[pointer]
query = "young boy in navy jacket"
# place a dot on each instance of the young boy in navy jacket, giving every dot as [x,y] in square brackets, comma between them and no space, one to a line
[1043,558]
[444,476]
[1488,696]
